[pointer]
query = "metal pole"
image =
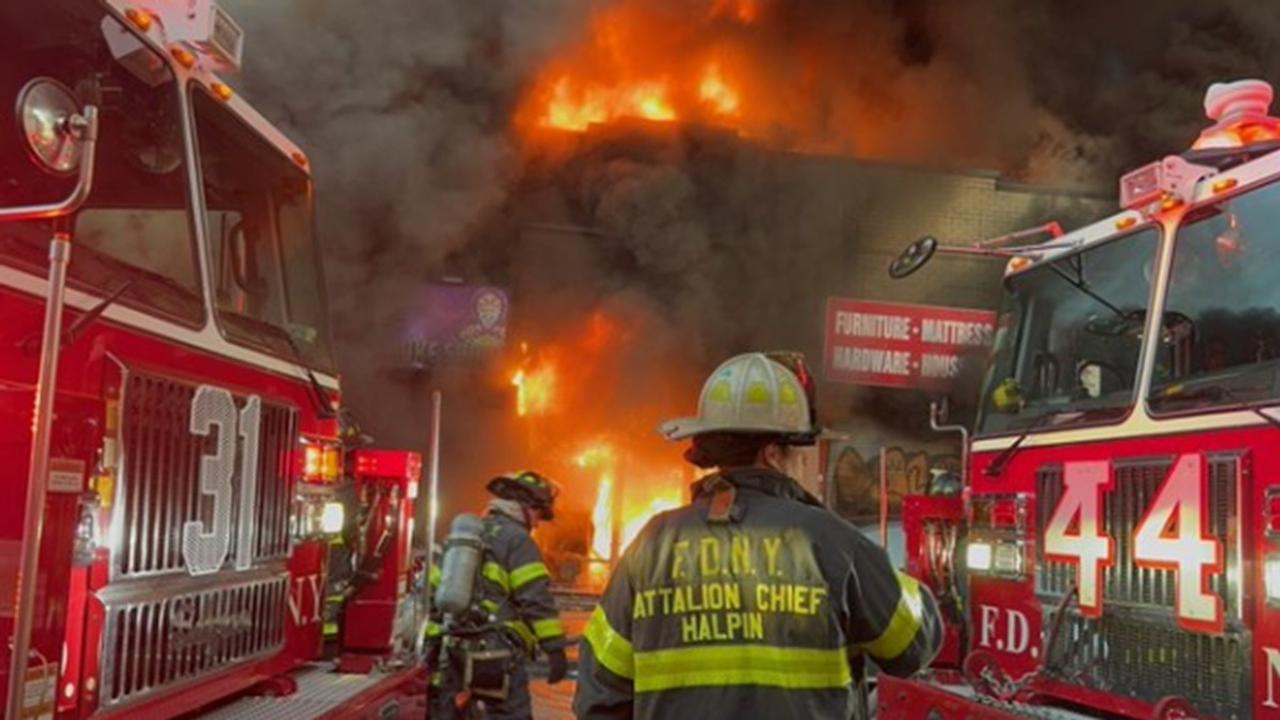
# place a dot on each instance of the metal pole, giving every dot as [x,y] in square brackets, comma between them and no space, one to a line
[433,514]
[37,480]
[884,498]
[935,412]
[85,128]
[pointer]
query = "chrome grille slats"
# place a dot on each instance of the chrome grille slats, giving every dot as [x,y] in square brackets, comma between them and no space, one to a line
[1136,649]
[159,478]
[221,626]
[1136,485]
[228,617]
[1132,654]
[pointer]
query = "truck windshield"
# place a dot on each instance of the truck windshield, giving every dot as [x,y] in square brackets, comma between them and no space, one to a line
[1225,300]
[1070,332]
[135,230]
[267,282]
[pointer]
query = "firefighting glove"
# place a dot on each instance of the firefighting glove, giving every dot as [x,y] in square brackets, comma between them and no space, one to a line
[559,666]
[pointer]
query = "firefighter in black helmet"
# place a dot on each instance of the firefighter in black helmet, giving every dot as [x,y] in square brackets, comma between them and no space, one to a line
[753,601]
[514,588]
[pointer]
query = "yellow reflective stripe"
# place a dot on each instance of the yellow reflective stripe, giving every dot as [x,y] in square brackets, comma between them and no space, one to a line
[610,647]
[434,576]
[433,629]
[548,628]
[526,574]
[904,624]
[494,572]
[526,635]
[722,665]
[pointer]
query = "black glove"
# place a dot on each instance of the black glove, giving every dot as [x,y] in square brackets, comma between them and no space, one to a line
[559,665]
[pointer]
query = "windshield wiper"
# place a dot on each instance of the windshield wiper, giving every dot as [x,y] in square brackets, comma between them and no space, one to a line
[71,334]
[1079,284]
[324,404]
[997,466]
[1214,393]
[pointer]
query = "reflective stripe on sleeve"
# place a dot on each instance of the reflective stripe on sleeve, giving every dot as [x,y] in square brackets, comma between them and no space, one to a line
[724,665]
[522,629]
[611,649]
[548,628]
[493,571]
[904,624]
[434,576]
[526,574]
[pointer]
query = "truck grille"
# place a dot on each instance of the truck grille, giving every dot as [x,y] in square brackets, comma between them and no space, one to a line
[1136,655]
[1136,649]
[156,638]
[164,627]
[160,479]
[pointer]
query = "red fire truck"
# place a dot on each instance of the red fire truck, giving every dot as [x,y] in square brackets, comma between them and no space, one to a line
[1122,511]
[172,435]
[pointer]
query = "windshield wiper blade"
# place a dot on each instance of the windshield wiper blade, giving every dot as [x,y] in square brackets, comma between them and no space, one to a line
[1079,284]
[71,334]
[1222,392]
[997,466]
[324,404]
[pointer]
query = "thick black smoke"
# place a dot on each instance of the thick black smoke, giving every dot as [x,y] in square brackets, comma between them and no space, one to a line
[406,108]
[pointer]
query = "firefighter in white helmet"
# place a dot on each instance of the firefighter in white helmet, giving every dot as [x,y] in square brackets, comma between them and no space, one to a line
[753,600]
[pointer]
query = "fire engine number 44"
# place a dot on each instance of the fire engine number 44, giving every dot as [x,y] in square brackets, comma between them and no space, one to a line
[1171,536]
[204,549]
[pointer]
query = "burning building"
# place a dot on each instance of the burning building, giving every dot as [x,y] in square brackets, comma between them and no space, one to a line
[640,253]
[657,185]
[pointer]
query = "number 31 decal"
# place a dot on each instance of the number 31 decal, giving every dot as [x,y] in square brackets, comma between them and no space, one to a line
[204,549]
[1172,536]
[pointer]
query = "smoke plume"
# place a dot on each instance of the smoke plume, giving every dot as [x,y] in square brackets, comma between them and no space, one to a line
[423,121]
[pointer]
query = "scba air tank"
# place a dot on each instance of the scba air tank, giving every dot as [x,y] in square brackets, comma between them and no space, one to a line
[463,550]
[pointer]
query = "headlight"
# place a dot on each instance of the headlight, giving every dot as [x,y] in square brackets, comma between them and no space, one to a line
[978,557]
[332,518]
[1001,558]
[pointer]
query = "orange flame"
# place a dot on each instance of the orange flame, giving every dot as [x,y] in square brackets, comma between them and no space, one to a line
[745,11]
[722,98]
[575,108]
[621,72]
[600,457]
[534,389]
[590,426]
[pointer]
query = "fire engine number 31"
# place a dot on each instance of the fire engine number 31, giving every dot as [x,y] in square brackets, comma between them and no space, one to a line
[204,549]
[1171,536]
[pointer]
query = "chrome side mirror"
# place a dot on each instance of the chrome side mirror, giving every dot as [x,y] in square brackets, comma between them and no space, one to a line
[61,139]
[51,122]
[913,257]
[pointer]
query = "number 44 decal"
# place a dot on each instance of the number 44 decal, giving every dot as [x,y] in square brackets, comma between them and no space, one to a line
[1172,536]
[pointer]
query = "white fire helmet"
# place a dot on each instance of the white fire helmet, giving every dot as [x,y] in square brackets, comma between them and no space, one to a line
[754,393]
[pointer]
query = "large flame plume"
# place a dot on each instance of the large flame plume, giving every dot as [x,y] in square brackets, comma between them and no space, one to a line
[715,62]
[829,78]
[595,434]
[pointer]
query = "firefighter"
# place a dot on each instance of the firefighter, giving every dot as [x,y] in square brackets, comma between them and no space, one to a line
[753,601]
[514,588]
